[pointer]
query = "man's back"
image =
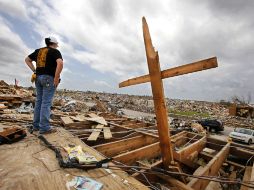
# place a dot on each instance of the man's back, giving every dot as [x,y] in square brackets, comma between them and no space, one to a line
[45,59]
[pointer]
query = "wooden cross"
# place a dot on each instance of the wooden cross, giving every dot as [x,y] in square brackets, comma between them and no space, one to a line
[155,76]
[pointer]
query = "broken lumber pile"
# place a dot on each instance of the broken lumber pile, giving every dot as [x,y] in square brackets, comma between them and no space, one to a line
[94,123]
[13,97]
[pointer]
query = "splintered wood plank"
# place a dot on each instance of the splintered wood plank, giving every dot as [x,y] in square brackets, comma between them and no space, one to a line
[16,102]
[2,106]
[92,115]
[181,70]
[78,118]
[5,102]
[211,169]
[96,118]
[95,134]
[5,131]
[66,121]
[158,97]
[78,123]
[155,77]
[107,133]
[99,120]
[9,97]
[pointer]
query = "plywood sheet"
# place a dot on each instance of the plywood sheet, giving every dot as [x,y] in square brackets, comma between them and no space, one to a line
[29,165]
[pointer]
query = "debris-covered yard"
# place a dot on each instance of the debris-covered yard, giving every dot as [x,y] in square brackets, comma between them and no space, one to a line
[96,122]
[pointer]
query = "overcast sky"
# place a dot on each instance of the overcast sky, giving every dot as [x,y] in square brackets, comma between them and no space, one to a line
[102,44]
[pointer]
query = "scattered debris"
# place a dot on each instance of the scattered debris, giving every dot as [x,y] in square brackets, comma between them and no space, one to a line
[84,183]
[11,134]
[246,111]
[126,140]
[26,107]
[76,154]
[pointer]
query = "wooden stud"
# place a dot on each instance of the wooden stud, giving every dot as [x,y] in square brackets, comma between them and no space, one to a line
[128,144]
[252,177]
[69,122]
[238,150]
[181,70]
[66,121]
[174,182]
[187,154]
[107,133]
[95,134]
[209,157]
[149,151]
[211,169]
[97,119]
[158,97]
[246,177]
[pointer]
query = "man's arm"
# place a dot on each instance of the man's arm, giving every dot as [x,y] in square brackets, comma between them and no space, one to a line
[29,63]
[59,69]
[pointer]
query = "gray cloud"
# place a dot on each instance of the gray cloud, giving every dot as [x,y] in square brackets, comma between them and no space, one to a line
[15,8]
[109,37]
[106,10]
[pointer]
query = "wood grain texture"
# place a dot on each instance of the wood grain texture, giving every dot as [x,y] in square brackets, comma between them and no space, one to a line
[158,97]
[176,71]
[28,165]
[128,144]
[211,169]
[95,134]
[107,133]
[146,152]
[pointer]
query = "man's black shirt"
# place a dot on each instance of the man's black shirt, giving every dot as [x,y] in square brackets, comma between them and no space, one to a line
[45,59]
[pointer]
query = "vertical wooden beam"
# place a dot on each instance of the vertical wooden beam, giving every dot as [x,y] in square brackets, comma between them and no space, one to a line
[158,97]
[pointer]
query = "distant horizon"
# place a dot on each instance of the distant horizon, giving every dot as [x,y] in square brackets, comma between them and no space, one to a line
[78,90]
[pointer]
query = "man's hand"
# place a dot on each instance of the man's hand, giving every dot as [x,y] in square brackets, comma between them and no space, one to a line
[59,68]
[56,81]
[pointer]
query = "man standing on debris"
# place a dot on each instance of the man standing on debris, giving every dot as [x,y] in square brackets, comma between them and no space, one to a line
[49,65]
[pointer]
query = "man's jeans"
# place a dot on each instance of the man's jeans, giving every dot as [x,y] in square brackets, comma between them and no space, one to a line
[45,90]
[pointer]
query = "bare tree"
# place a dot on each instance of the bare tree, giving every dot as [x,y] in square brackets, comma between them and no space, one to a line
[249,97]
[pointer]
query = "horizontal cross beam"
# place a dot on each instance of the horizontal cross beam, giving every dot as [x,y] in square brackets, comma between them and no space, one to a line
[181,70]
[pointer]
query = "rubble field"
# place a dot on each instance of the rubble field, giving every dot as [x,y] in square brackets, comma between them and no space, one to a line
[124,127]
[20,100]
